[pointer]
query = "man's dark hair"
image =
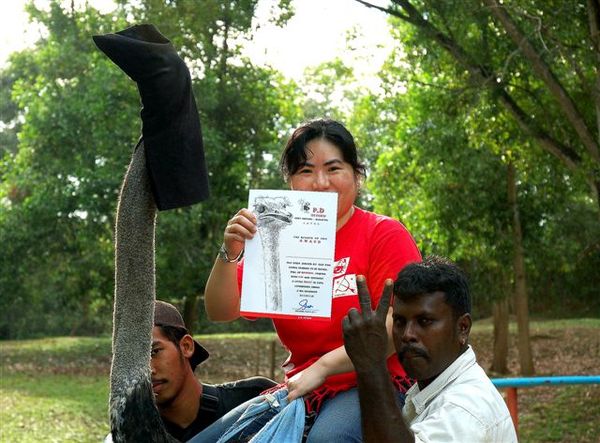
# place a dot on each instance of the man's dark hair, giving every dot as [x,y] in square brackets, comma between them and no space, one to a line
[294,155]
[174,334]
[435,274]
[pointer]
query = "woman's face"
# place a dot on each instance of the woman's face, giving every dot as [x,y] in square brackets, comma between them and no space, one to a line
[325,170]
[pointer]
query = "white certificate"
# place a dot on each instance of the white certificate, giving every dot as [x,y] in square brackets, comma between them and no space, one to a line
[288,265]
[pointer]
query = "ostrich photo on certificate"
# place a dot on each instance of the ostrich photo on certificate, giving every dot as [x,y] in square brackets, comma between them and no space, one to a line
[288,265]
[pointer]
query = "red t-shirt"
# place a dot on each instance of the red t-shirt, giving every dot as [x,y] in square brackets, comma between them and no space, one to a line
[369,244]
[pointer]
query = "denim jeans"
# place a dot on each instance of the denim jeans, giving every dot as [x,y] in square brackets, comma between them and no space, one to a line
[287,426]
[338,420]
[259,407]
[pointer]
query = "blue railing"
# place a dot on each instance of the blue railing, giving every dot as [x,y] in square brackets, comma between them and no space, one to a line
[529,382]
[511,385]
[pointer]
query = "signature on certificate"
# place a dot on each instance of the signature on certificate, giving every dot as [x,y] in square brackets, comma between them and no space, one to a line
[304,306]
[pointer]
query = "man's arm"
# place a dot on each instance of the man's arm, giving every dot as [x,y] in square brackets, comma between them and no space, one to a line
[366,341]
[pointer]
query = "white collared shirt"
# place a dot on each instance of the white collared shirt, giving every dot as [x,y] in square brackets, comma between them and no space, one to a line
[460,405]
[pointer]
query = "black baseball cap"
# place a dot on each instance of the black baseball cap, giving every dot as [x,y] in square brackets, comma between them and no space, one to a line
[165,314]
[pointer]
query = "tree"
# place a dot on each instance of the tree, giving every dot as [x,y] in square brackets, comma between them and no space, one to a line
[532,78]
[459,47]
[56,221]
[80,122]
[443,170]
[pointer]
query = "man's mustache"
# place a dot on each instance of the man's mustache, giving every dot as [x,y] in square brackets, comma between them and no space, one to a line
[412,350]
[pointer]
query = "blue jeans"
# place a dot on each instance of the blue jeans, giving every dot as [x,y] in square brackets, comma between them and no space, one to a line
[258,406]
[338,420]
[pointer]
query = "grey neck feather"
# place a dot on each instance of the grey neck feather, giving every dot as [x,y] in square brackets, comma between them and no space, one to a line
[133,413]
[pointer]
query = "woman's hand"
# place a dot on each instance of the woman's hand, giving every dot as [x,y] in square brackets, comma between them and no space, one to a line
[241,227]
[221,294]
[306,381]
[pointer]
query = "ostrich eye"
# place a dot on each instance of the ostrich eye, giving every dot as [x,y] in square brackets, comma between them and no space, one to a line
[260,208]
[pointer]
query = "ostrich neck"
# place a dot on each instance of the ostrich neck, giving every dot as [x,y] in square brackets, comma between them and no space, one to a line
[132,410]
[270,244]
[134,277]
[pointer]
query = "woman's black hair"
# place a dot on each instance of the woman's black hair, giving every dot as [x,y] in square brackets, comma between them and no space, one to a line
[294,155]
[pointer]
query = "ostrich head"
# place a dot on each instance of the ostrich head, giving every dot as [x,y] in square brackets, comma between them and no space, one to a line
[271,212]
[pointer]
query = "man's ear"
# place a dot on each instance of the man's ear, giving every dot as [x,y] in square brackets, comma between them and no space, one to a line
[186,344]
[463,326]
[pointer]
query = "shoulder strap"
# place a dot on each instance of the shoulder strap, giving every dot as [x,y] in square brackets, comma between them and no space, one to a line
[210,398]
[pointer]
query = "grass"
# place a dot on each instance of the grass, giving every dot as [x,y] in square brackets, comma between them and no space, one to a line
[56,389]
[53,390]
[53,408]
[573,415]
[61,353]
[537,326]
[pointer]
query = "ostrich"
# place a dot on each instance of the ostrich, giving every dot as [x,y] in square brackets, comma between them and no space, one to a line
[133,414]
[167,170]
[272,216]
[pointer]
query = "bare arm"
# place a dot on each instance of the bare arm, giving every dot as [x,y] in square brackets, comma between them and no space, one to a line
[334,362]
[221,295]
[381,418]
[366,340]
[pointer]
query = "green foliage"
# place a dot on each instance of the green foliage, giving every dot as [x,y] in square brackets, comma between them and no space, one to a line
[330,90]
[80,122]
[60,187]
[442,141]
[445,190]
[435,140]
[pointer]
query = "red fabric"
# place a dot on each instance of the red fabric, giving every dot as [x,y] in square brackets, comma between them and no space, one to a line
[369,244]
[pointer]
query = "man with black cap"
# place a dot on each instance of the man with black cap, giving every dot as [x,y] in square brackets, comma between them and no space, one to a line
[186,405]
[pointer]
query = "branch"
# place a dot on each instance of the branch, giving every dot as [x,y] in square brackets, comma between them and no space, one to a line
[487,78]
[391,12]
[568,52]
[593,9]
[567,155]
[450,45]
[567,105]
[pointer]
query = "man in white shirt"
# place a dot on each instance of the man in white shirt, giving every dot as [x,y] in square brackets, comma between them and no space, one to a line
[453,399]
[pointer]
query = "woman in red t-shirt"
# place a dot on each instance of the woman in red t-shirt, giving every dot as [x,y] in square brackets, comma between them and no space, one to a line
[321,156]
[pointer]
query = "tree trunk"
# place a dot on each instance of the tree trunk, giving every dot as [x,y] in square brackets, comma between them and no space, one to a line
[593,9]
[520,288]
[499,362]
[190,311]
[83,318]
